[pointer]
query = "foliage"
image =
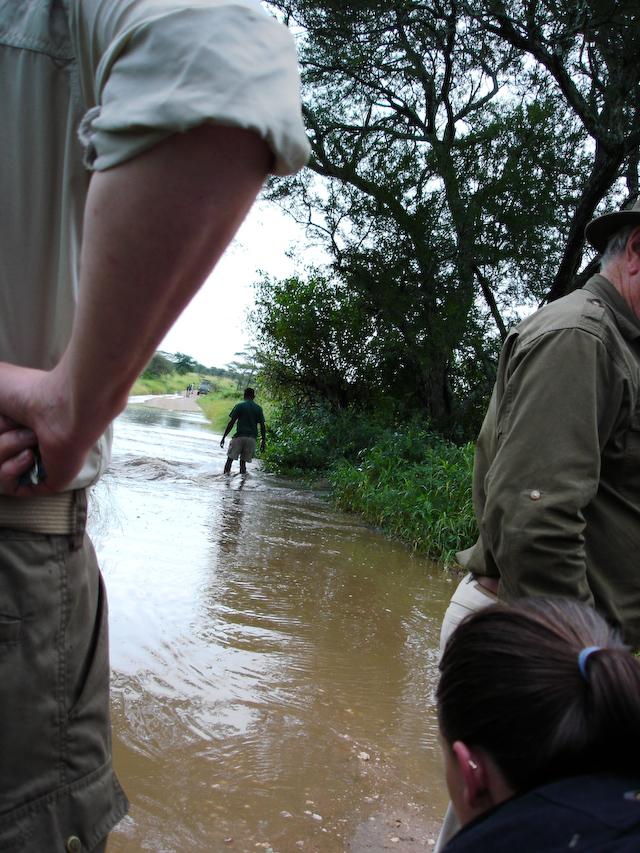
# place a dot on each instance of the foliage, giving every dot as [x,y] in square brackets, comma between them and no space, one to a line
[160,365]
[244,369]
[186,364]
[406,480]
[176,383]
[166,383]
[414,485]
[307,439]
[458,148]
[587,55]
[316,342]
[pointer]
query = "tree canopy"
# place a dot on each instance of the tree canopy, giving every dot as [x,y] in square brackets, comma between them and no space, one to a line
[459,148]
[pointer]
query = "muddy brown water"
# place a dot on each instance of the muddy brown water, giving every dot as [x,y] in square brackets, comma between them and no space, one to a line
[273,660]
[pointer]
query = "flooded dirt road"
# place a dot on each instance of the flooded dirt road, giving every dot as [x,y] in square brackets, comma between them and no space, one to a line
[273,661]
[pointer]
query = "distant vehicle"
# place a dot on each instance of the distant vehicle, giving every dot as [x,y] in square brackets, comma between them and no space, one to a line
[204,388]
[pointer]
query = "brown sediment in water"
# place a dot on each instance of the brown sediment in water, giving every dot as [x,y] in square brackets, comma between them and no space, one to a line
[273,661]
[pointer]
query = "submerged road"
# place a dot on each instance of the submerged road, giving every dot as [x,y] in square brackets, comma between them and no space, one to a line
[273,661]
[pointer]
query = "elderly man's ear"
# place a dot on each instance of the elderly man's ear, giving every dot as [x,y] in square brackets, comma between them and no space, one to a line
[633,252]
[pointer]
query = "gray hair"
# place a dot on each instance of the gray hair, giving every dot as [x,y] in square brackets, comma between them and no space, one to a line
[616,244]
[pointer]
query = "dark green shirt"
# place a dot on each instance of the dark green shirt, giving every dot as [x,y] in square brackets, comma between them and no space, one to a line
[249,415]
[557,468]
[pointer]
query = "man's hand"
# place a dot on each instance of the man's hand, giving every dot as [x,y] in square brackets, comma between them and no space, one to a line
[222,443]
[41,401]
[16,453]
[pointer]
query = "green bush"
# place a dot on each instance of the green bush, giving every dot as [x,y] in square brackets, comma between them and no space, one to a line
[308,440]
[417,487]
[409,481]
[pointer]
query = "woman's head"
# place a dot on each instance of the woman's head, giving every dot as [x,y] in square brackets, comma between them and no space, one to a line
[515,706]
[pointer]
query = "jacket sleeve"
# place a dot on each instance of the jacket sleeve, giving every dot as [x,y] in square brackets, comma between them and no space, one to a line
[150,68]
[557,407]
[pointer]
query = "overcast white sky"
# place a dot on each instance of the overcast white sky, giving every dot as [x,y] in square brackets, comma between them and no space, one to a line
[213,326]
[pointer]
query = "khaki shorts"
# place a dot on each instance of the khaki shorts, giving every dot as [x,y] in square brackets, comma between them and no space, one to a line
[242,446]
[57,787]
[469,597]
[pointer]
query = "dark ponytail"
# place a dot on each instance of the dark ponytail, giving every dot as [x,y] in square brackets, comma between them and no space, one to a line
[511,685]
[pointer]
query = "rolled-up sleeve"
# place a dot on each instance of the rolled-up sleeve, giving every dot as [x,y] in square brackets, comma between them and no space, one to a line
[168,67]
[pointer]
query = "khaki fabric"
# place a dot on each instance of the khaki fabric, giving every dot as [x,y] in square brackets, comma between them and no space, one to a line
[242,446]
[557,468]
[56,779]
[122,75]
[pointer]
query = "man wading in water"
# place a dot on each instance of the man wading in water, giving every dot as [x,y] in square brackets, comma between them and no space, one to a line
[247,415]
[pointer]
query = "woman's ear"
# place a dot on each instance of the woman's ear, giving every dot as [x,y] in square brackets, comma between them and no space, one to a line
[473,770]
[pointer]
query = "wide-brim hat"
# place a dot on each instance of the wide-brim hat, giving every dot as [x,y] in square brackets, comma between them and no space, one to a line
[602,228]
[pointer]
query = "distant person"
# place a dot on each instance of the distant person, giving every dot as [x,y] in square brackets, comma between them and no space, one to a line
[248,415]
[539,716]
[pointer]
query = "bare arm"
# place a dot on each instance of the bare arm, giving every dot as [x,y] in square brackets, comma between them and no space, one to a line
[228,430]
[154,227]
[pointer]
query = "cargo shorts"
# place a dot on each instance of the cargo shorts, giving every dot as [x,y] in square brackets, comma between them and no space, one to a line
[242,446]
[58,791]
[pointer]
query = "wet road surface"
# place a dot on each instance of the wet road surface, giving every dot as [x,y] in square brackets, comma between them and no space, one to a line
[273,661]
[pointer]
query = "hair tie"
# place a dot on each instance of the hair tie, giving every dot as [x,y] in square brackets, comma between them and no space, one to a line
[583,657]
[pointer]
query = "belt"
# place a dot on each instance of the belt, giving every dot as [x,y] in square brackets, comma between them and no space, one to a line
[62,514]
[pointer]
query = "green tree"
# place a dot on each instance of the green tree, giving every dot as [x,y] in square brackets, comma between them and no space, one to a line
[590,51]
[317,341]
[159,365]
[186,364]
[438,181]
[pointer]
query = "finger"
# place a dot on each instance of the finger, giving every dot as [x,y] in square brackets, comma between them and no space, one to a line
[12,469]
[15,441]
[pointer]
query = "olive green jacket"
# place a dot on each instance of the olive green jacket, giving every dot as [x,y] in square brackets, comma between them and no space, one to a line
[557,468]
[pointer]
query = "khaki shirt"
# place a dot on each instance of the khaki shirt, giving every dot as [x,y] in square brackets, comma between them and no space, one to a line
[89,84]
[557,468]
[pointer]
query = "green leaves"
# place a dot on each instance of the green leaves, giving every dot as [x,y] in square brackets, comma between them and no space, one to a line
[458,150]
[414,485]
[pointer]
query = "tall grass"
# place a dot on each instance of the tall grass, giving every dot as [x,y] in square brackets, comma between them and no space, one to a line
[216,408]
[415,486]
[408,481]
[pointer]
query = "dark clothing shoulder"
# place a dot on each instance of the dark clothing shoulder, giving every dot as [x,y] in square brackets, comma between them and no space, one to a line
[248,415]
[598,813]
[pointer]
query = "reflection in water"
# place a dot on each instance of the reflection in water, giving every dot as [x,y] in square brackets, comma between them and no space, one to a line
[273,661]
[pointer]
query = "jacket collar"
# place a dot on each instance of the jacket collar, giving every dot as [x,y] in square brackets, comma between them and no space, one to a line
[627,321]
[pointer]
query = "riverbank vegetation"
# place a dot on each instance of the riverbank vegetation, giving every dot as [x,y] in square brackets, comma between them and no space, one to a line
[170,373]
[458,150]
[405,479]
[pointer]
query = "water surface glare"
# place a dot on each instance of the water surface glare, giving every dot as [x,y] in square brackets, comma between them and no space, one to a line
[273,661]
